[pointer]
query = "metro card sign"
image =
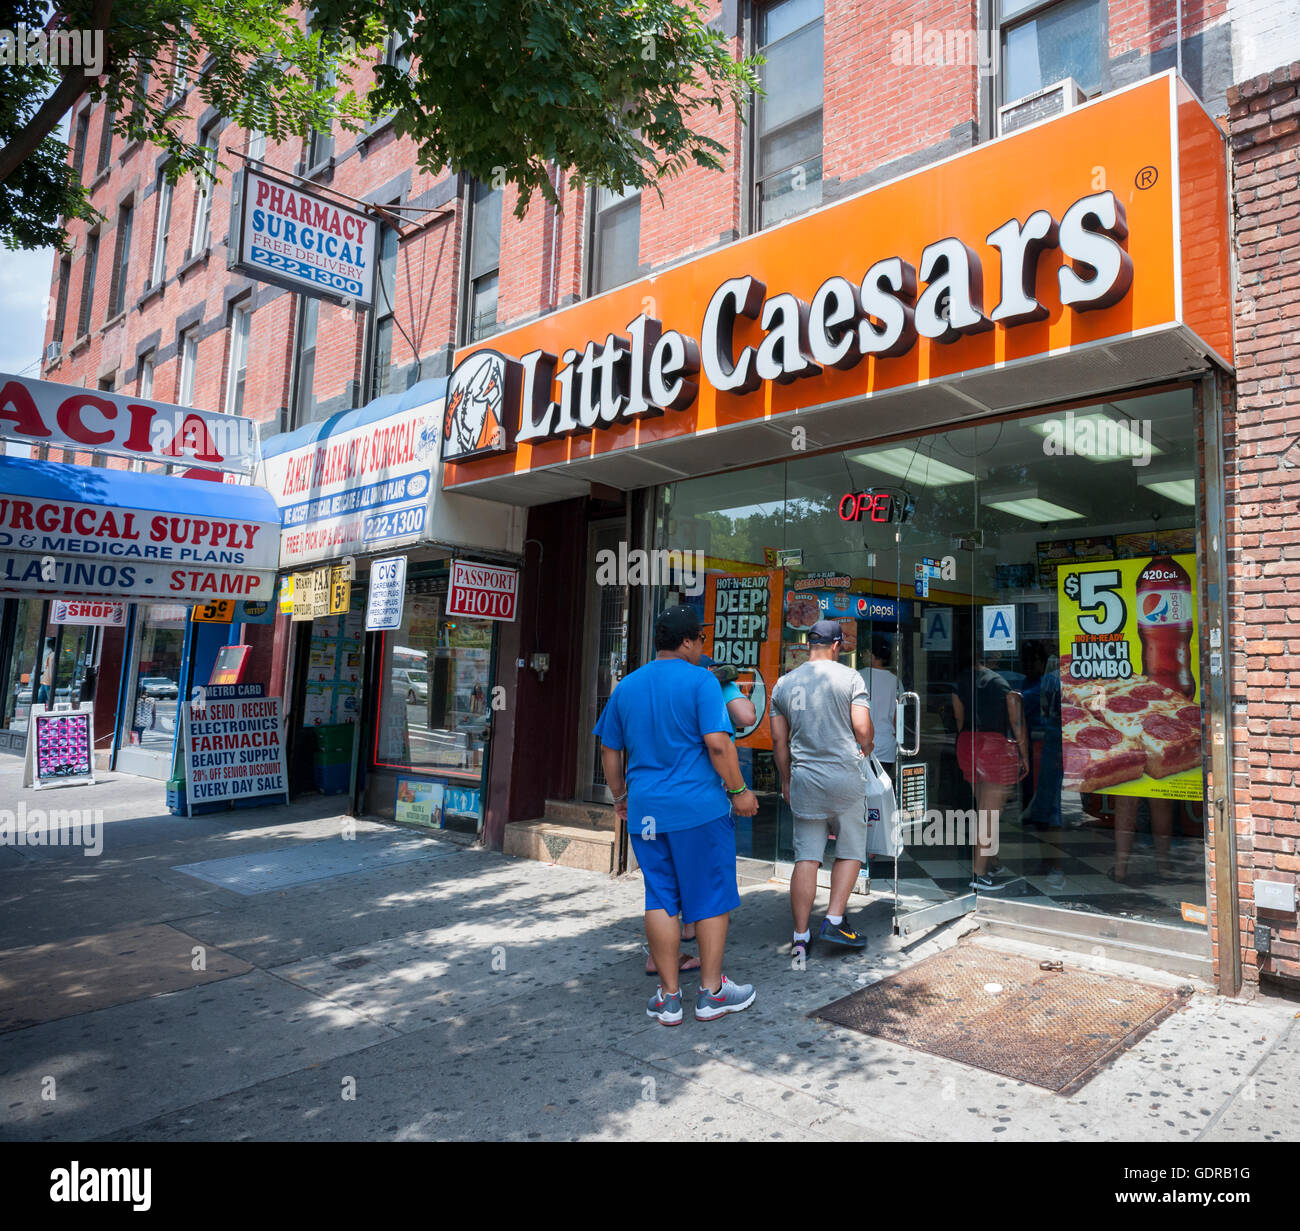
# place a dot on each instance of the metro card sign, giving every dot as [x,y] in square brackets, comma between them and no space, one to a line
[305,242]
[484,591]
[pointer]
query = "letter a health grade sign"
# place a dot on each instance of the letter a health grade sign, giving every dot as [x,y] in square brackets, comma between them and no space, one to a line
[485,591]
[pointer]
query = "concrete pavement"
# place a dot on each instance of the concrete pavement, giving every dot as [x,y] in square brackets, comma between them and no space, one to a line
[441,991]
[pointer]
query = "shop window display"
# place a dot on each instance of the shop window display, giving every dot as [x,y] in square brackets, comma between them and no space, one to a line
[1057,551]
[435,691]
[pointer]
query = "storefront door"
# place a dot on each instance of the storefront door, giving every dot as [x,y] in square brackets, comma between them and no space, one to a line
[915,638]
[605,645]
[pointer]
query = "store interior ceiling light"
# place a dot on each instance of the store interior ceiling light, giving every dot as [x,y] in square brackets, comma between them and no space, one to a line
[1181,491]
[914,468]
[1096,435]
[1025,502]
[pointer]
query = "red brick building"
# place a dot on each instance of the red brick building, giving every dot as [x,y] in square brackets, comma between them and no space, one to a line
[857,98]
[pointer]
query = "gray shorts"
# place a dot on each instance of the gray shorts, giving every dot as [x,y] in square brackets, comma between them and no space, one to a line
[849,828]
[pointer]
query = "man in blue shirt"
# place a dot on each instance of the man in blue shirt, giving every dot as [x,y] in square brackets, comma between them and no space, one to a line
[682,781]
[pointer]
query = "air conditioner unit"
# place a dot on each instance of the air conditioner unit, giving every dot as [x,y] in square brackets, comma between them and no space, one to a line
[1055,99]
[53,351]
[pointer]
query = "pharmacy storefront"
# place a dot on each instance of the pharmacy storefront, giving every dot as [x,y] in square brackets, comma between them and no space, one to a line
[973,415]
[392,705]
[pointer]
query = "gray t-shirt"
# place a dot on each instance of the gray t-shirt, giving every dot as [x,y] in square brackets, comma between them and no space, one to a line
[816,700]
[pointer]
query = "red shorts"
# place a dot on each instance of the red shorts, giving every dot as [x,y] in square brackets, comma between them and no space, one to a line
[986,756]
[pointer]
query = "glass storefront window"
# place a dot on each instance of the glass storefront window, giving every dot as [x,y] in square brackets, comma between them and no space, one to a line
[1046,550]
[435,691]
[18,692]
[160,644]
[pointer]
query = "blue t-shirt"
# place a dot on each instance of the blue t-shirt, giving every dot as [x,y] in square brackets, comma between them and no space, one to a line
[660,713]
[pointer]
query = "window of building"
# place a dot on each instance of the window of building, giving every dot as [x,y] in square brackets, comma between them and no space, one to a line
[158,270]
[1044,43]
[61,303]
[788,115]
[381,335]
[304,405]
[88,283]
[189,363]
[435,700]
[483,265]
[320,144]
[396,54]
[256,144]
[202,233]
[615,237]
[241,319]
[82,130]
[121,261]
[180,70]
[146,364]
[106,141]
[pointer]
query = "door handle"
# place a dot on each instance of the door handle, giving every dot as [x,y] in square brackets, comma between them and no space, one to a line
[902,725]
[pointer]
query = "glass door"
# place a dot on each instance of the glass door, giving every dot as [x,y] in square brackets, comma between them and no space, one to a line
[606,644]
[918,518]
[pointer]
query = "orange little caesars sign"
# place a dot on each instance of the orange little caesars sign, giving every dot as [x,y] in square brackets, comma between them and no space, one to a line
[1058,237]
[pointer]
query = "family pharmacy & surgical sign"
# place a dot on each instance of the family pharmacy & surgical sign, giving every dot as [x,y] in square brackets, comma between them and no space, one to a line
[1102,227]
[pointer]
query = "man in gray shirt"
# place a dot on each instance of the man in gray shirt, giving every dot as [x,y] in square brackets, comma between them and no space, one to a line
[821,730]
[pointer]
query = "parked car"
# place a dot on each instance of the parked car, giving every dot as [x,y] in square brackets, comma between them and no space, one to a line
[417,686]
[158,686]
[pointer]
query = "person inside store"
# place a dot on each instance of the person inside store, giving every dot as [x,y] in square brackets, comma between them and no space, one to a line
[992,750]
[681,785]
[47,673]
[1162,828]
[821,730]
[885,691]
[1043,718]
[740,709]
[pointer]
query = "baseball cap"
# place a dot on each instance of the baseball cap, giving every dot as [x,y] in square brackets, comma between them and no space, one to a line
[679,623]
[825,632]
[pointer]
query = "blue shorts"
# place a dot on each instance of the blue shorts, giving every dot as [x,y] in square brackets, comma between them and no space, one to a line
[691,871]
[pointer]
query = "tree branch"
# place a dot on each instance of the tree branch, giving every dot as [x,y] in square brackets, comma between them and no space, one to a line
[53,109]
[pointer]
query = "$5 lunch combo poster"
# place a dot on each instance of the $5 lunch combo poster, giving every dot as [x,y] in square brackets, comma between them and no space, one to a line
[1130,675]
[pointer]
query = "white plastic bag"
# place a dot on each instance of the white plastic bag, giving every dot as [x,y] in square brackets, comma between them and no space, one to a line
[884,838]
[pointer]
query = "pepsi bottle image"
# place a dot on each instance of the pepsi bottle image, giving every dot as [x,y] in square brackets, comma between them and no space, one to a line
[1164,619]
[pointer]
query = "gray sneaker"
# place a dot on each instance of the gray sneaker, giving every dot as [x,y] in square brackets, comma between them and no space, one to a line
[667,1010]
[731,998]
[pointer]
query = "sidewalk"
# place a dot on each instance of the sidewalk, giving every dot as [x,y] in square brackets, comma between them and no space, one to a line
[442,991]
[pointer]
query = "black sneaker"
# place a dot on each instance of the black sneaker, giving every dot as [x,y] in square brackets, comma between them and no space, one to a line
[841,933]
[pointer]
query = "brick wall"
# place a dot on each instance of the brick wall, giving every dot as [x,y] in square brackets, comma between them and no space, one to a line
[197,288]
[1263,489]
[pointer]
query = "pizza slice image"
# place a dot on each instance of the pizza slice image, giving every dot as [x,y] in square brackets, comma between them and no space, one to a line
[1140,713]
[1095,756]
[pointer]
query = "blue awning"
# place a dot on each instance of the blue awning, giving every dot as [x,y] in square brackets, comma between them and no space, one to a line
[346,420]
[85,530]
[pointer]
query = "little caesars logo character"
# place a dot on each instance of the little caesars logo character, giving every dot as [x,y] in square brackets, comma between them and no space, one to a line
[479,389]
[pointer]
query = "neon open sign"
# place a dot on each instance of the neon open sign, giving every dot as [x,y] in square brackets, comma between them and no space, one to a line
[876,506]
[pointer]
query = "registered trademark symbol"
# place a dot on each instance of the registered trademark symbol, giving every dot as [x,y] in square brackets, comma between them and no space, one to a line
[1146,177]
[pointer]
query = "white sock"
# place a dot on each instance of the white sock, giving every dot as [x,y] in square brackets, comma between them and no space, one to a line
[803,935]
[835,920]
